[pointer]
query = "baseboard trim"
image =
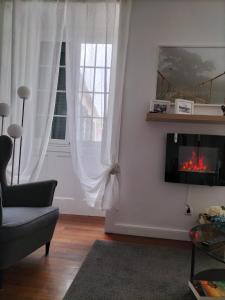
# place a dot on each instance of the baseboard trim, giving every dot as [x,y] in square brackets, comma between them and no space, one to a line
[68,205]
[63,198]
[82,218]
[149,231]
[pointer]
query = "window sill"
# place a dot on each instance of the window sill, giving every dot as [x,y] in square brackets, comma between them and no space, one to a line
[58,146]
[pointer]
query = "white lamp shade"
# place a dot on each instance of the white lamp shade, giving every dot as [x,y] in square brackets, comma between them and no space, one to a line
[4,109]
[15,131]
[23,92]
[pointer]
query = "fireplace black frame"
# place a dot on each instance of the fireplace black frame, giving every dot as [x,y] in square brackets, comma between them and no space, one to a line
[172,172]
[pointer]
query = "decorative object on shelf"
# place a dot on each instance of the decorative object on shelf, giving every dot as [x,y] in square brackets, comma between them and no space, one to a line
[24,93]
[183,106]
[213,211]
[160,106]
[15,131]
[203,219]
[212,214]
[223,109]
[4,112]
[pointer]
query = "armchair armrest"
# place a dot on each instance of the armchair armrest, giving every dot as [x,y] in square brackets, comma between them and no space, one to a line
[37,194]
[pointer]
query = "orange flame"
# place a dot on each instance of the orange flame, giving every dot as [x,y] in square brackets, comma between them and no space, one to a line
[195,164]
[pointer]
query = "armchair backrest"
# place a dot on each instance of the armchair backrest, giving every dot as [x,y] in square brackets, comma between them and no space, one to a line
[0,205]
[5,155]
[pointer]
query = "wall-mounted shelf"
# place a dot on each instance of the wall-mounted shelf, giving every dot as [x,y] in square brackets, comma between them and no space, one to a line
[164,117]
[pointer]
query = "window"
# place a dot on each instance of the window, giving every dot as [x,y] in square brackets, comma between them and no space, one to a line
[59,118]
[94,91]
[94,88]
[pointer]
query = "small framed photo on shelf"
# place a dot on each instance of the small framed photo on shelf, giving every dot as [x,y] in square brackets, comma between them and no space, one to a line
[183,106]
[160,106]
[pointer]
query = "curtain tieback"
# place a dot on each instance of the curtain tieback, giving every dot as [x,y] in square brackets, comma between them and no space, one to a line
[115,169]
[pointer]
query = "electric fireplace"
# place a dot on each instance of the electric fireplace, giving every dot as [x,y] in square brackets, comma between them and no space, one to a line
[195,159]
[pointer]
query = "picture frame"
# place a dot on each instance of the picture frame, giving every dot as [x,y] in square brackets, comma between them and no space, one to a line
[185,107]
[201,81]
[160,106]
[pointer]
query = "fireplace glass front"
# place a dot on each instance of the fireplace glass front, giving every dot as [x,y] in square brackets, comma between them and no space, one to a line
[195,159]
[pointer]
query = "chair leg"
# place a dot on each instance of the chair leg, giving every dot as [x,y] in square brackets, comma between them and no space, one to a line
[47,246]
[1,279]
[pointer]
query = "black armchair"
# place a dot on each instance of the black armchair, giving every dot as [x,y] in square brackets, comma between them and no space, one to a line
[27,219]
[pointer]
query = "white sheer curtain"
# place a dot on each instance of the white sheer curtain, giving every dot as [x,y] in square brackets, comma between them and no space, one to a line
[31,36]
[96,43]
[5,50]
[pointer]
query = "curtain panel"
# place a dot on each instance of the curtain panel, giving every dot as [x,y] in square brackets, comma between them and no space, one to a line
[31,35]
[96,39]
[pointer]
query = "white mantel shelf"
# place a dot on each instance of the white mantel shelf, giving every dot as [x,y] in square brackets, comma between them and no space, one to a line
[164,117]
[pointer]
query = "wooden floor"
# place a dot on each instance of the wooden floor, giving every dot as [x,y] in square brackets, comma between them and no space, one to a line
[47,278]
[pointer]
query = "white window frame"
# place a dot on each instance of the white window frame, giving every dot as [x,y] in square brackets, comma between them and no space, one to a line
[62,143]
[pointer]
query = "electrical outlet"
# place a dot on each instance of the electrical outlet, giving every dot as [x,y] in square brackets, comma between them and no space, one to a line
[188,210]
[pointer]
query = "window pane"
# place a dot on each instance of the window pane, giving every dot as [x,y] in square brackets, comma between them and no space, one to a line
[90,55]
[95,62]
[98,110]
[100,62]
[108,79]
[86,128]
[100,80]
[106,104]
[82,54]
[109,55]
[97,127]
[62,79]
[59,128]
[63,55]
[87,79]
[60,105]
[87,55]
[86,106]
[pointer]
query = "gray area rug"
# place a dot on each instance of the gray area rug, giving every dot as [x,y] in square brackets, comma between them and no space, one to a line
[122,271]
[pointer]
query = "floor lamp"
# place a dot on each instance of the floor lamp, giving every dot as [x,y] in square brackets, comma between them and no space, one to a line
[24,93]
[4,112]
[15,131]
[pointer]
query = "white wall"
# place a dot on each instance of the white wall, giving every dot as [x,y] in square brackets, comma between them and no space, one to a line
[148,205]
[68,195]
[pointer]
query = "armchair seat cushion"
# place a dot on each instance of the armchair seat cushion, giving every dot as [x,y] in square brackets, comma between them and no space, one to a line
[22,221]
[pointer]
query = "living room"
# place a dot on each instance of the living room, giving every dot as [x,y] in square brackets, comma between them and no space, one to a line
[149,212]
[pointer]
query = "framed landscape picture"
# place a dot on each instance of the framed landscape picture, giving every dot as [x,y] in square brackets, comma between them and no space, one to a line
[192,73]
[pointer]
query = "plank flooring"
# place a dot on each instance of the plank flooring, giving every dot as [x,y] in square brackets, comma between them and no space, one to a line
[37,277]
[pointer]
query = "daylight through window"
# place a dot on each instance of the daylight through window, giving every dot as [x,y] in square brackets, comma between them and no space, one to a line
[95,66]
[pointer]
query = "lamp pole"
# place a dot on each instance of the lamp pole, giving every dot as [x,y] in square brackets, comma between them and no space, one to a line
[24,93]
[13,159]
[21,143]
[15,131]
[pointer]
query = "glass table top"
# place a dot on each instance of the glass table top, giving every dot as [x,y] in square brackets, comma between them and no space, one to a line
[210,238]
